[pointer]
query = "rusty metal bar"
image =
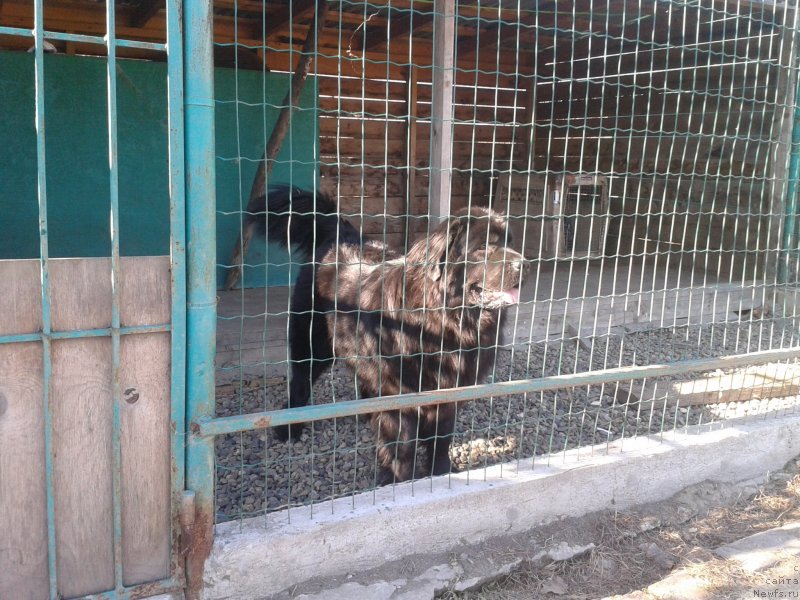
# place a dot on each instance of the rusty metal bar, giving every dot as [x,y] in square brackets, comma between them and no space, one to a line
[262,420]
[201,293]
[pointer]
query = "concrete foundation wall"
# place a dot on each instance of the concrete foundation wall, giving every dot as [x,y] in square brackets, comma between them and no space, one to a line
[263,556]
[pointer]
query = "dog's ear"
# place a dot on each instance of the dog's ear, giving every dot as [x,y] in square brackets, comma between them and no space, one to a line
[451,244]
[445,245]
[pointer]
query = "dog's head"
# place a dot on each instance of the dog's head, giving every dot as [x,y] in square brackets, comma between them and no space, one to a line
[468,258]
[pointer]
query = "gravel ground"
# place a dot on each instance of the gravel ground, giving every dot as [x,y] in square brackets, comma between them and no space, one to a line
[257,474]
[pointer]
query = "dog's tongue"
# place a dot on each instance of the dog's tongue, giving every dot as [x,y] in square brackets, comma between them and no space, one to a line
[511,296]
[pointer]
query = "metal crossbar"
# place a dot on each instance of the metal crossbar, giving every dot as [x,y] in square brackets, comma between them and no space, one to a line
[250,421]
[86,39]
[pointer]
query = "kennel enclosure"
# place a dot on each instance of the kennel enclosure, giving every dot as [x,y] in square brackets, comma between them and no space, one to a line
[646,154]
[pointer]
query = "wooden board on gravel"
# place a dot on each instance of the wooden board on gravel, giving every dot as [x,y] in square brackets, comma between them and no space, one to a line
[751,383]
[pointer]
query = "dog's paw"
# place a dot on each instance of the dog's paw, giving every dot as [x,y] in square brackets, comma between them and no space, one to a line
[281,433]
[385,477]
[287,433]
[444,467]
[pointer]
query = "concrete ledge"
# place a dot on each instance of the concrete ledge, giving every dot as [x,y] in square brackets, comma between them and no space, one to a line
[261,557]
[763,550]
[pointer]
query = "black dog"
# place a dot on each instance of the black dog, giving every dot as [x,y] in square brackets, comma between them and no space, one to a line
[424,321]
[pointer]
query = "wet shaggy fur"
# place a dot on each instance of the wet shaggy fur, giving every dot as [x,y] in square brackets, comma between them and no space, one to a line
[424,321]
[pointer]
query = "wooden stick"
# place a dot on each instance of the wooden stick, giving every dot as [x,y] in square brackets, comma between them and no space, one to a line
[753,383]
[411,150]
[274,145]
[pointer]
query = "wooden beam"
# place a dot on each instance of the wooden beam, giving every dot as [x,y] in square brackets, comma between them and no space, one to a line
[239,57]
[146,10]
[275,142]
[468,46]
[411,149]
[444,33]
[525,161]
[293,11]
[752,383]
[398,25]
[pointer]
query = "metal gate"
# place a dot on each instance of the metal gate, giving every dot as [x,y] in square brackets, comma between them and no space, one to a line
[92,350]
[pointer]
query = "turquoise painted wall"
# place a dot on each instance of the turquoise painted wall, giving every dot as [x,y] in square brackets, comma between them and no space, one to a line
[77,157]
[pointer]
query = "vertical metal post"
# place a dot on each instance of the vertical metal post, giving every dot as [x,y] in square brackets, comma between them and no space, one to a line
[201,270]
[444,35]
[177,212]
[44,256]
[789,249]
[113,187]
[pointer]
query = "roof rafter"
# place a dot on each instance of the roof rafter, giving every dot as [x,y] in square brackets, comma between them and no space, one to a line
[146,10]
[294,11]
[398,25]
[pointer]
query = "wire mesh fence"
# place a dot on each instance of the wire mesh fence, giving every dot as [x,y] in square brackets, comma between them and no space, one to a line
[642,155]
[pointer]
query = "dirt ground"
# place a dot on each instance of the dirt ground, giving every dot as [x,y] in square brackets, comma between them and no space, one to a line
[632,551]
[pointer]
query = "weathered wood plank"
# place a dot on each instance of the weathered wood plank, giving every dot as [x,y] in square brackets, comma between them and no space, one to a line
[80,293]
[23,512]
[410,154]
[145,291]
[441,157]
[145,362]
[753,383]
[145,441]
[21,303]
[23,505]
[82,416]
[87,281]
[81,404]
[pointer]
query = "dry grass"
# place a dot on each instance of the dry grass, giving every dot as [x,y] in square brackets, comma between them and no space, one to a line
[627,559]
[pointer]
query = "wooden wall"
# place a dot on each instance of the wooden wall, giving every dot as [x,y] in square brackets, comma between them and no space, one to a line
[81,413]
[693,170]
[682,107]
[691,139]
[375,144]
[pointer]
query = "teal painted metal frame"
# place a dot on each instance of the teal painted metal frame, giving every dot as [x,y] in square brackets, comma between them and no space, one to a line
[261,420]
[789,234]
[201,291]
[177,253]
[77,37]
[44,255]
[177,326]
[113,188]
